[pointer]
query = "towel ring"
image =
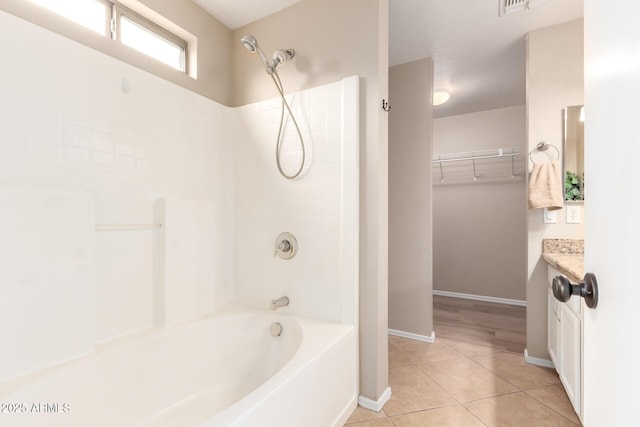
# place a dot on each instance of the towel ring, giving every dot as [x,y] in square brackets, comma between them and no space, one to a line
[543,146]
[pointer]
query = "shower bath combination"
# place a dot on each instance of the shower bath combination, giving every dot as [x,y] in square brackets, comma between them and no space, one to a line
[279,58]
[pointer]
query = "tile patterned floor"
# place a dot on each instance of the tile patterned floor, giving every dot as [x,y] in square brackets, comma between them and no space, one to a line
[459,384]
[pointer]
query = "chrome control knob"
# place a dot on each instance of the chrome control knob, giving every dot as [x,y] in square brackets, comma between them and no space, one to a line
[286,246]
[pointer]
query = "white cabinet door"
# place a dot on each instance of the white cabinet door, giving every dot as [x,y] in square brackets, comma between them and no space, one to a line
[569,364]
[553,329]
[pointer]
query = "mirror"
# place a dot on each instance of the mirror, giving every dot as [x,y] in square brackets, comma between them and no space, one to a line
[573,153]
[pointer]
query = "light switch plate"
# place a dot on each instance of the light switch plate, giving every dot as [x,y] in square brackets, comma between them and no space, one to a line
[549,217]
[573,214]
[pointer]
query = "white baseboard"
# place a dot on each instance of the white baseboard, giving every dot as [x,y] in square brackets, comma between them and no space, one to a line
[545,363]
[411,336]
[374,405]
[481,298]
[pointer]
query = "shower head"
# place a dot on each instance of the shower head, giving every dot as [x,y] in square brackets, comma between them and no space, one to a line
[249,42]
[279,57]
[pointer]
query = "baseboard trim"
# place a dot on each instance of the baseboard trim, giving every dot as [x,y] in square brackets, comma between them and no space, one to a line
[545,363]
[374,405]
[481,298]
[411,336]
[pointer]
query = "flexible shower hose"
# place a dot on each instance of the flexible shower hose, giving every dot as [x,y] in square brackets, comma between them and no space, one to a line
[278,83]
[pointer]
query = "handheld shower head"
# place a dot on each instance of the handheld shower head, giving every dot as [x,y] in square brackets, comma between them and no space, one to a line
[250,43]
[279,57]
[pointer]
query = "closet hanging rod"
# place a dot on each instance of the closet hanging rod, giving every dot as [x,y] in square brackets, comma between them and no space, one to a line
[475,155]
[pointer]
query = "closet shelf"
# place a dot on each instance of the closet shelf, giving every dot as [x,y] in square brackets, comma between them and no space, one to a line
[475,155]
[511,152]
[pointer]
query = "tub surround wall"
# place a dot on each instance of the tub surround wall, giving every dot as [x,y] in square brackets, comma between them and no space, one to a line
[555,79]
[47,261]
[324,41]
[479,225]
[410,194]
[89,161]
[188,260]
[319,208]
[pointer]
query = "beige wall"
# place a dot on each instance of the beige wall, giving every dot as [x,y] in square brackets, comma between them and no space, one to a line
[328,44]
[555,79]
[410,230]
[479,235]
[334,39]
[214,69]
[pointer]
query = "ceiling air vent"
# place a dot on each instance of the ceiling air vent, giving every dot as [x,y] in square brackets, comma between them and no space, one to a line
[512,6]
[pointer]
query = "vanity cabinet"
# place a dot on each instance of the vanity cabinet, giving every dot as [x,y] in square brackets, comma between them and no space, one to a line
[564,341]
[553,327]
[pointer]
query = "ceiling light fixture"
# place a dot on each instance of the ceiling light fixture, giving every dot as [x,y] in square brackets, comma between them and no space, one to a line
[440,96]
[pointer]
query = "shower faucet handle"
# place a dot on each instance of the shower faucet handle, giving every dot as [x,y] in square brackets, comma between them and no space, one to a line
[286,246]
[283,247]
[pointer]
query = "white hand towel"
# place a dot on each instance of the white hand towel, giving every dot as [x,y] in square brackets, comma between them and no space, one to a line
[545,186]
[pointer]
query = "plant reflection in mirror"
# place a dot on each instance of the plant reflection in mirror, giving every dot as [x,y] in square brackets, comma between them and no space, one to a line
[572,187]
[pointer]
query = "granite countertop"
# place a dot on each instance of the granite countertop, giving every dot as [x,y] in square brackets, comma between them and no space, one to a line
[566,255]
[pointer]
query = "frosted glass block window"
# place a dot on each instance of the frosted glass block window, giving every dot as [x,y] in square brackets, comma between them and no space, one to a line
[92,14]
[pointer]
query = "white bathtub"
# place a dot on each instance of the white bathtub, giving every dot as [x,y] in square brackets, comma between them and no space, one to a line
[225,370]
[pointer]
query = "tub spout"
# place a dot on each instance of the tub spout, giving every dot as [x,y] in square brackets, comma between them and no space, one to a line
[280,302]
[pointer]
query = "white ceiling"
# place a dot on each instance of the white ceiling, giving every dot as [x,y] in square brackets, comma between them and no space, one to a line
[236,13]
[479,57]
